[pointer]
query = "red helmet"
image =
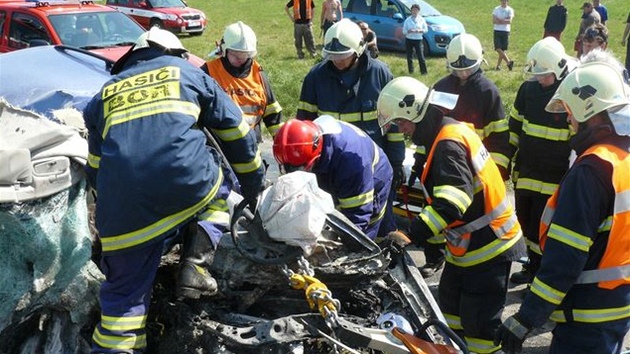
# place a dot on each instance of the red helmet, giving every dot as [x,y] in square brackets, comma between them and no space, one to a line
[297,144]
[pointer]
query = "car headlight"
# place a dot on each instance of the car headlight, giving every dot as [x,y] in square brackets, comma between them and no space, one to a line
[171,17]
[439,28]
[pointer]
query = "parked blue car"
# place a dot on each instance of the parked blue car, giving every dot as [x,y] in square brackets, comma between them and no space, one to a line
[386,18]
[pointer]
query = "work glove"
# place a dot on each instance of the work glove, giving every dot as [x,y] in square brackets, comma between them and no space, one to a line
[416,172]
[511,335]
[398,178]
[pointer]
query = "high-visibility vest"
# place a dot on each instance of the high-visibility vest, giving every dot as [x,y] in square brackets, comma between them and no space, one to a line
[248,93]
[614,268]
[498,214]
[309,9]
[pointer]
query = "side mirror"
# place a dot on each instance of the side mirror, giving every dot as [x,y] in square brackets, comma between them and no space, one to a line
[398,16]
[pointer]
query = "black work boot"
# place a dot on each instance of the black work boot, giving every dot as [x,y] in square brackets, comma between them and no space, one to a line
[193,278]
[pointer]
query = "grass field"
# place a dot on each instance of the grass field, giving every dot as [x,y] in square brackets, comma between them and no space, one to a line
[277,54]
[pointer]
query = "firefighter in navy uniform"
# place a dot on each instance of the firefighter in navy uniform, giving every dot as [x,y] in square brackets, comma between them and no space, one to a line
[243,79]
[348,164]
[583,283]
[540,141]
[157,180]
[346,86]
[467,203]
[480,105]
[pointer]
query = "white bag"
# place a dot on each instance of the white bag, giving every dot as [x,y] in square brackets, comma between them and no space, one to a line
[293,210]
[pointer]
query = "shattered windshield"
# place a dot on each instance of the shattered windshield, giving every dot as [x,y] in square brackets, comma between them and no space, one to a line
[166,3]
[96,29]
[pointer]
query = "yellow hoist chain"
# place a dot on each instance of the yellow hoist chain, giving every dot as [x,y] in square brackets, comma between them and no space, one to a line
[317,293]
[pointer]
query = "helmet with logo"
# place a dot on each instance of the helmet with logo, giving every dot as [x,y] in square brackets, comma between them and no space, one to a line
[239,37]
[407,98]
[592,88]
[156,38]
[297,145]
[343,39]
[548,56]
[464,52]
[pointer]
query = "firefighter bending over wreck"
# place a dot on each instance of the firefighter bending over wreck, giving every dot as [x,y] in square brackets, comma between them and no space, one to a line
[467,203]
[348,165]
[156,178]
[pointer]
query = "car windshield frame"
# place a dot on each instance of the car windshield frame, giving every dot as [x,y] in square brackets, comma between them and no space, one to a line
[161,4]
[426,9]
[101,34]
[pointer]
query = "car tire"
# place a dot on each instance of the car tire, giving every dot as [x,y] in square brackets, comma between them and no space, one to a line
[157,23]
[425,48]
[196,33]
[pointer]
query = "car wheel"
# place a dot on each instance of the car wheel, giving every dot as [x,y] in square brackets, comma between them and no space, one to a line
[196,33]
[425,48]
[157,23]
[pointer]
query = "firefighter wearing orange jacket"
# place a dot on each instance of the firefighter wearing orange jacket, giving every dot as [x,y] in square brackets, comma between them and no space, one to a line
[467,203]
[244,80]
[583,283]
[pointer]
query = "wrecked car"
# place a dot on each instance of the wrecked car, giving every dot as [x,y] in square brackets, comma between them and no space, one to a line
[291,279]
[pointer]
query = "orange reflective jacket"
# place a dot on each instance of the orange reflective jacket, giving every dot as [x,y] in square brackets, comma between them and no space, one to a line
[309,9]
[614,267]
[248,93]
[498,211]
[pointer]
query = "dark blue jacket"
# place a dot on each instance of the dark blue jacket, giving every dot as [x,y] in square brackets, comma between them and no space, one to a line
[357,174]
[351,96]
[148,159]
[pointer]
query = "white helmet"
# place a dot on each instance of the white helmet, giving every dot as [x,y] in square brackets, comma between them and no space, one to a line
[407,98]
[159,38]
[239,37]
[154,38]
[593,88]
[343,39]
[548,56]
[464,52]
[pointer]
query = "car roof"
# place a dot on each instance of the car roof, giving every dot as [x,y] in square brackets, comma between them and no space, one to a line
[57,6]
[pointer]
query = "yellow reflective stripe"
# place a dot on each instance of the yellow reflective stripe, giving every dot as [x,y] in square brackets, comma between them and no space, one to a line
[216,217]
[94,161]
[569,237]
[536,185]
[305,106]
[119,342]
[149,232]
[477,185]
[247,167]
[558,316]
[352,117]
[434,221]
[453,195]
[500,159]
[438,239]
[453,321]
[232,134]
[422,150]
[515,114]
[273,129]
[483,254]
[481,346]
[272,108]
[123,323]
[601,315]
[379,216]
[356,201]
[496,126]
[533,246]
[605,225]
[546,292]
[547,133]
[145,110]
[514,139]
[395,137]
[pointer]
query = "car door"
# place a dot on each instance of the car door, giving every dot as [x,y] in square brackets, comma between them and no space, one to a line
[131,8]
[387,22]
[26,30]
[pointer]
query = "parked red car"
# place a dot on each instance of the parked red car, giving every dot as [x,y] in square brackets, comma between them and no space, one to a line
[83,24]
[173,15]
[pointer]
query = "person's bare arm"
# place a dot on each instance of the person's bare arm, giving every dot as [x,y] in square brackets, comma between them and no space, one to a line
[286,9]
[624,38]
[340,7]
